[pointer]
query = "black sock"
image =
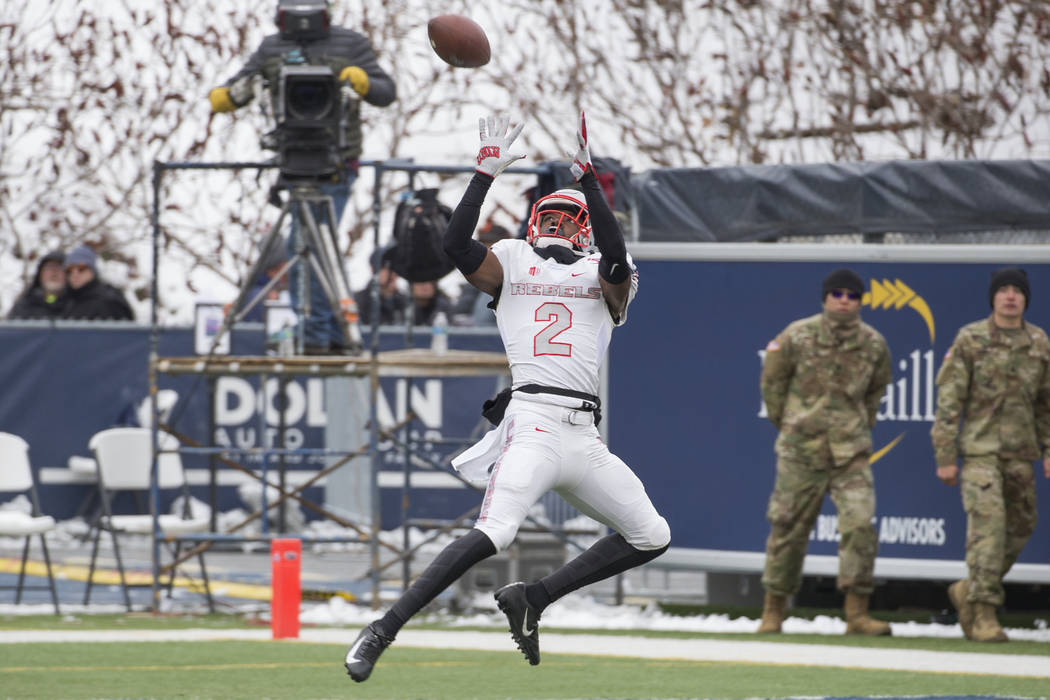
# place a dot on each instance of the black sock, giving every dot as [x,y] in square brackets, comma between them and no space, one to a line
[449,565]
[537,595]
[607,557]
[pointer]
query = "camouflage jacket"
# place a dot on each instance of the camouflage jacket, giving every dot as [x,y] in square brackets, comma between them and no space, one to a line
[342,48]
[998,385]
[821,393]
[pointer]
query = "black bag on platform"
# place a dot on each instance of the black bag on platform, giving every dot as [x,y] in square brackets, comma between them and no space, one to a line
[417,252]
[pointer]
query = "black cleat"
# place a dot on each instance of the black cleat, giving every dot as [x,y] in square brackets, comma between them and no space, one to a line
[523,618]
[365,652]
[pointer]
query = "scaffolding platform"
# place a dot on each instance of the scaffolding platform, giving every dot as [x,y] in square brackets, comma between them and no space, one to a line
[411,362]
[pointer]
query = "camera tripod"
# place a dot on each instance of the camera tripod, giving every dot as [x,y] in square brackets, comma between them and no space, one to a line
[317,250]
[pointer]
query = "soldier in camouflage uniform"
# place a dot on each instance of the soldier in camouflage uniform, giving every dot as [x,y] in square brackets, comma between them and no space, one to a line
[822,381]
[995,380]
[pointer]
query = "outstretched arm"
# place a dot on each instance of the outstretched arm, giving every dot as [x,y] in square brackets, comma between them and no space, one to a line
[480,266]
[477,263]
[614,272]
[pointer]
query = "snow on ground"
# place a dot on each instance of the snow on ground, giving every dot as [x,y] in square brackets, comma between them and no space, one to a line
[574,612]
[584,612]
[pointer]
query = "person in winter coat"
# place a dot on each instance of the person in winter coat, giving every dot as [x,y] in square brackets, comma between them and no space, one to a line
[89,298]
[45,297]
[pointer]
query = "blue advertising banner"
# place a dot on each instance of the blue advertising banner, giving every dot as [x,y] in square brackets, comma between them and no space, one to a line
[688,417]
[684,409]
[64,383]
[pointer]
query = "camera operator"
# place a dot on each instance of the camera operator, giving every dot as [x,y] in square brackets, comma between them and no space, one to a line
[306,37]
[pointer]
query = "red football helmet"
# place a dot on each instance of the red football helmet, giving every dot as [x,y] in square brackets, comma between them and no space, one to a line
[561,206]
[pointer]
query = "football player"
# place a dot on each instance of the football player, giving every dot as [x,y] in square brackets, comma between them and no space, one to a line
[556,305]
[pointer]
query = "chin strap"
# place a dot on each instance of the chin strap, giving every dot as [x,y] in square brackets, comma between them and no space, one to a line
[560,253]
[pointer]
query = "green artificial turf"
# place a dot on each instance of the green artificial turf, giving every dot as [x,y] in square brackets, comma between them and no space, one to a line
[233,670]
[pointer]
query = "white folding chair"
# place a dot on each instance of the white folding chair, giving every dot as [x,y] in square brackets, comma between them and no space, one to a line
[84,469]
[16,476]
[124,458]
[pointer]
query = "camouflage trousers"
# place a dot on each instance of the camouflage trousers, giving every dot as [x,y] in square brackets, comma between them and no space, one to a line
[998,496]
[793,509]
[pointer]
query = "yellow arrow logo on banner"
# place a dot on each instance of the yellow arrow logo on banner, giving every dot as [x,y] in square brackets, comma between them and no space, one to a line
[898,295]
[879,454]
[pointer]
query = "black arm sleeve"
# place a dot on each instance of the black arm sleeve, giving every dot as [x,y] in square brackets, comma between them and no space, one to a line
[460,246]
[607,234]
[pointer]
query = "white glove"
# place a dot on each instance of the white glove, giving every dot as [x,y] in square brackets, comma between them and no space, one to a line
[493,155]
[582,158]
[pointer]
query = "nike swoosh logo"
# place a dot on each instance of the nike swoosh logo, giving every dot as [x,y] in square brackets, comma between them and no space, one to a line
[351,656]
[613,268]
[577,274]
[525,631]
[542,430]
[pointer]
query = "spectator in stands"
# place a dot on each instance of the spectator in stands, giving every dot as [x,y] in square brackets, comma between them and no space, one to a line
[45,297]
[427,301]
[89,297]
[822,381]
[392,301]
[471,308]
[995,381]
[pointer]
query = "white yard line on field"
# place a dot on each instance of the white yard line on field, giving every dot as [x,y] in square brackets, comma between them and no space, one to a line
[607,645]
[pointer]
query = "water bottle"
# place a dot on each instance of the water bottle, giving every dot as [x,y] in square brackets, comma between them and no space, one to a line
[286,344]
[439,334]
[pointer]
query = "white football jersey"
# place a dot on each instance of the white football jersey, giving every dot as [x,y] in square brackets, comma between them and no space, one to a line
[553,318]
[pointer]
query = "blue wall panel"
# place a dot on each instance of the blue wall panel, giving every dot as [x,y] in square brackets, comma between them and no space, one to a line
[686,407]
[684,412]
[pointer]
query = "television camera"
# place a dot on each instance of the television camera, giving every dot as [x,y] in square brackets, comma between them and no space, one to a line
[309,108]
[309,102]
[310,114]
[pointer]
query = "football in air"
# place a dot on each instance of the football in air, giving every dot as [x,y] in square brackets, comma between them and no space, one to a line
[459,41]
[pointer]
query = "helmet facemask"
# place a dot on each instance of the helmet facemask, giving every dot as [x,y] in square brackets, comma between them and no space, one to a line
[554,218]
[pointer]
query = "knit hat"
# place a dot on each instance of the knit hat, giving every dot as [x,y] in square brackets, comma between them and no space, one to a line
[56,255]
[82,255]
[842,278]
[1009,275]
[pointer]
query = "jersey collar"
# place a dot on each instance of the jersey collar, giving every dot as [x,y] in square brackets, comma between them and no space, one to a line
[560,254]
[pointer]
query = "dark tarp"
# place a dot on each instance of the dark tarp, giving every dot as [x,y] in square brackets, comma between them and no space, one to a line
[758,202]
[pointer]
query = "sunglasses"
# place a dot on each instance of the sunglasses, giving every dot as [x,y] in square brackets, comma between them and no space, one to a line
[839,293]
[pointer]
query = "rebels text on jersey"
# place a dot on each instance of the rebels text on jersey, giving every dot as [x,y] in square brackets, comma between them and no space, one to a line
[553,318]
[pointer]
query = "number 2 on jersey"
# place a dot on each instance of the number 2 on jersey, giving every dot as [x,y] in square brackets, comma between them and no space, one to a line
[559,319]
